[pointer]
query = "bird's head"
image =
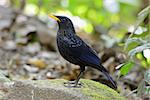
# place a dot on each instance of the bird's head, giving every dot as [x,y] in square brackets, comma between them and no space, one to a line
[63,22]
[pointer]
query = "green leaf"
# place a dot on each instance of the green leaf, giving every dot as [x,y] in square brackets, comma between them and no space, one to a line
[147,90]
[138,49]
[126,68]
[141,16]
[131,43]
[147,76]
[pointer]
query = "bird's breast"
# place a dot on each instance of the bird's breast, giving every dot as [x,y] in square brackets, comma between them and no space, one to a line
[65,49]
[62,46]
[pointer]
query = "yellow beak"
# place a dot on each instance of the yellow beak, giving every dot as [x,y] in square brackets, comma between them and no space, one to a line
[54,17]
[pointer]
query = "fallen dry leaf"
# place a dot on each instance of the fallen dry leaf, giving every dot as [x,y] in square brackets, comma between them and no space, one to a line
[37,63]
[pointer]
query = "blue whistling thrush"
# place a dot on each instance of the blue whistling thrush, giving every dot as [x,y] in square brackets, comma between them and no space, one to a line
[76,51]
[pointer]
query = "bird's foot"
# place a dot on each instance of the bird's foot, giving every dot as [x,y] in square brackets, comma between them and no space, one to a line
[73,84]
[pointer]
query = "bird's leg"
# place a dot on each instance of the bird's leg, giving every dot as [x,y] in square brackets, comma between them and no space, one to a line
[76,82]
[78,78]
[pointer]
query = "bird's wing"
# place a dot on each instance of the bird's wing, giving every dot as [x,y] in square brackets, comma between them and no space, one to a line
[74,45]
[81,51]
[89,57]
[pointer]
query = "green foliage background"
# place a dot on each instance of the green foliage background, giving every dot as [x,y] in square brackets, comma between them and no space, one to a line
[92,10]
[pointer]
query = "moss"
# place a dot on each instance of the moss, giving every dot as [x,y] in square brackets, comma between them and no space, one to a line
[91,90]
[98,91]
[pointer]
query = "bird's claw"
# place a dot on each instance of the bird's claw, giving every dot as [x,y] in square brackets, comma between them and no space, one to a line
[72,84]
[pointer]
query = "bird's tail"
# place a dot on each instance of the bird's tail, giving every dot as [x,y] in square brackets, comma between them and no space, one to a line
[105,72]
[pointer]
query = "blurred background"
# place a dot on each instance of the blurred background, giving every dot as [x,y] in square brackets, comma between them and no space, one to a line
[117,29]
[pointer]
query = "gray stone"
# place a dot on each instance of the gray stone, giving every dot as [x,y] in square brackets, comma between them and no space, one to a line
[55,90]
[3,79]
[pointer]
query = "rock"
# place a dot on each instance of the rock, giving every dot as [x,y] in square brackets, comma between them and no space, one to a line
[47,55]
[30,68]
[3,79]
[32,48]
[10,45]
[6,17]
[55,90]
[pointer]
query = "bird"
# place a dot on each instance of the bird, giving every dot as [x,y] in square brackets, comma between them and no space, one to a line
[72,48]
